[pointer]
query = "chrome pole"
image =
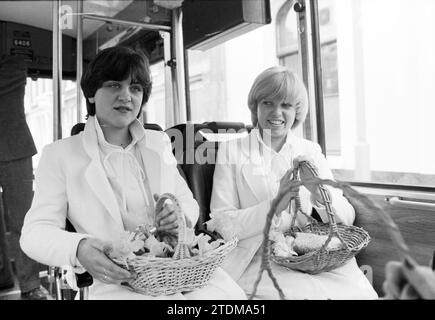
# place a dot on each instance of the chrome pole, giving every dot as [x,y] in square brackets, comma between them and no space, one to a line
[317,73]
[177,48]
[57,72]
[169,85]
[79,61]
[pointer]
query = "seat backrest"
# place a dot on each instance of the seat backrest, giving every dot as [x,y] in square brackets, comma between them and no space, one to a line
[152,126]
[197,158]
[200,180]
[417,228]
[80,126]
[184,138]
[77,128]
[221,126]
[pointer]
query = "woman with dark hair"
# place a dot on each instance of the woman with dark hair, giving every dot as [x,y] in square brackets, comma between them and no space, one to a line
[103,181]
[249,174]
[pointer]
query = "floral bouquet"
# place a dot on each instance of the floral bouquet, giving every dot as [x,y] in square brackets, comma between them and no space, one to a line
[167,264]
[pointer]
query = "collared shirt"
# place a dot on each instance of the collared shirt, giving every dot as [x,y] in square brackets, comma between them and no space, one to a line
[275,164]
[126,173]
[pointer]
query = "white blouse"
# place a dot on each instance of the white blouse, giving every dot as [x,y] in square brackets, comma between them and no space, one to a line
[126,173]
[276,164]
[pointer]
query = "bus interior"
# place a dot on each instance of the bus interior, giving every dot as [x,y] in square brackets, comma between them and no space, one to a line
[367,65]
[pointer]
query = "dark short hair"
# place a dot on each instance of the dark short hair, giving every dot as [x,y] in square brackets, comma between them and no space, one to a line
[116,63]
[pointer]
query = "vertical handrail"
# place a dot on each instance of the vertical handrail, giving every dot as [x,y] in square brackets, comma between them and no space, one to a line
[79,61]
[177,48]
[57,72]
[317,70]
[305,49]
[169,87]
[187,86]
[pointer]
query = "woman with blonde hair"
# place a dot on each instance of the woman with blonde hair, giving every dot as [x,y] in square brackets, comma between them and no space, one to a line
[248,175]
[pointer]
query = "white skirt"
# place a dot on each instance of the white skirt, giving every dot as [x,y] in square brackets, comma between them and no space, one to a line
[347,282]
[220,287]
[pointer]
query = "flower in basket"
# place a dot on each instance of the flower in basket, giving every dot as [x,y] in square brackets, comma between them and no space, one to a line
[202,241]
[126,245]
[223,223]
[282,246]
[157,248]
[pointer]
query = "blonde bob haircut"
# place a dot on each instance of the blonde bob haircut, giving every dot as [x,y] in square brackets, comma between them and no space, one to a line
[279,83]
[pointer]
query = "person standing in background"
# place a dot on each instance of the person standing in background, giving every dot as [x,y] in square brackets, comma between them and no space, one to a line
[16,175]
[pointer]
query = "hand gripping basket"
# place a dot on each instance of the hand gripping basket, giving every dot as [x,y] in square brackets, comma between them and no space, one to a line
[353,239]
[182,272]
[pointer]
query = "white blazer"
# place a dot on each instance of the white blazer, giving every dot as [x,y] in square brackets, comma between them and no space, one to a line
[240,189]
[71,183]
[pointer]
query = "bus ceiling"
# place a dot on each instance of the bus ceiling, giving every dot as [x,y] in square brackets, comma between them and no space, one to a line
[26,28]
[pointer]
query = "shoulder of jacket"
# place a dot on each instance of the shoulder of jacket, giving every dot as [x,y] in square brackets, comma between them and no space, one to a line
[308,145]
[155,134]
[65,144]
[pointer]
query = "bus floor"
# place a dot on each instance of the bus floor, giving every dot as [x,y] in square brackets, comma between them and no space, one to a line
[14,292]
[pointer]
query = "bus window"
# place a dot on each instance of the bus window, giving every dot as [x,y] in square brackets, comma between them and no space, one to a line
[154,110]
[220,77]
[378,89]
[38,101]
[287,38]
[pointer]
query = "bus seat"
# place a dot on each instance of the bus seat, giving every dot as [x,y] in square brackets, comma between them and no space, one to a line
[79,127]
[417,232]
[199,165]
[200,180]
[152,126]
[219,126]
[196,155]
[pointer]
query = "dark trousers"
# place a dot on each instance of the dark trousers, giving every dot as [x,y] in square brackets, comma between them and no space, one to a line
[6,276]
[16,179]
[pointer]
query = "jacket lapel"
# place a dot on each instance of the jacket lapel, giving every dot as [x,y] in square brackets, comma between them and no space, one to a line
[152,163]
[95,174]
[252,168]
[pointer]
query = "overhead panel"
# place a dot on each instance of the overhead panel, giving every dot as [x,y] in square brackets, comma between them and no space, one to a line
[207,23]
[110,34]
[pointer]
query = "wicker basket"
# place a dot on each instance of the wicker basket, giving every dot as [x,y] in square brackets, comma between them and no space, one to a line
[164,276]
[353,239]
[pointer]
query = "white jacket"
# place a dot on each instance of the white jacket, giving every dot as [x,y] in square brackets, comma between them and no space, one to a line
[240,188]
[71,183]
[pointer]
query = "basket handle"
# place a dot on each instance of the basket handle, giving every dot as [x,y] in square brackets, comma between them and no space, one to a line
[185,231]
[327,202]
[355,198]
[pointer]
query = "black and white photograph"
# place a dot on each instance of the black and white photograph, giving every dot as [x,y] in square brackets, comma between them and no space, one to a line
[210,156]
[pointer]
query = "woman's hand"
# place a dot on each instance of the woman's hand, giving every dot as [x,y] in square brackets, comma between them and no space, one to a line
[92,256]
[305,174]
[166,219]
[404,281]
[283,185]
